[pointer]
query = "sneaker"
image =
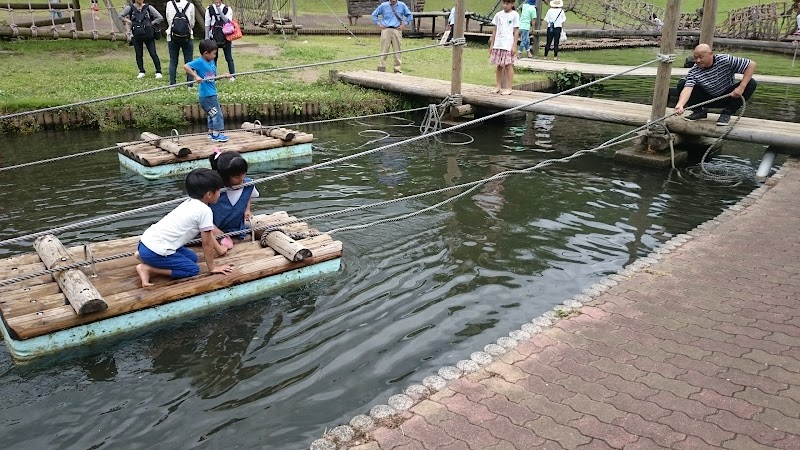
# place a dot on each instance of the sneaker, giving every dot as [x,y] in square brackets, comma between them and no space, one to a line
[232,79]
[219,137]
[398,71]
[696,115]
[724,118]
[141,75]
[158,75]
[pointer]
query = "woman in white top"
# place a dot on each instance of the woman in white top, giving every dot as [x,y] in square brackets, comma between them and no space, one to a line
[217,15]
[554,19]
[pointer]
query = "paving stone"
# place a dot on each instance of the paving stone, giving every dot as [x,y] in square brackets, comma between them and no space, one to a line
[760,432]
[553,391]
[648,410]
[596,392]
[508,372]
[737,406]
[511,391]
[708,432]
[743,442]
[779,421]
[603,411]
[745,365]
[632,388]
[671,402]
[476,437]
[717,383]
[615,436]
[473,390]
[474,412]
[515,412]
[662,434]
[676,386]
[784,362]
[566,436]
[561,413]
[693,443]
[421,431]
[391,438]
[432,412]
[519,436]
[786,406]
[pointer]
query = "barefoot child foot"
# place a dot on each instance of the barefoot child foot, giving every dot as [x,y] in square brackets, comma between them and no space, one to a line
[144,274]
[496,90]
[505,92]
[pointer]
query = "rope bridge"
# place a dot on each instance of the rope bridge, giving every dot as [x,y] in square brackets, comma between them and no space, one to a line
[65,20]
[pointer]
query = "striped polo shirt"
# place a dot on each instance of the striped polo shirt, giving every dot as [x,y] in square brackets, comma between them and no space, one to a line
[717,79]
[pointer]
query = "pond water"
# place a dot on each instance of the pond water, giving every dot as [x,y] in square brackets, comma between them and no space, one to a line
[411,296]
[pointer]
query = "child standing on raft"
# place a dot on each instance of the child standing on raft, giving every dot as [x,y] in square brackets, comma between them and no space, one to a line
[162,247]
[233,208]
[503,46]
[204,71]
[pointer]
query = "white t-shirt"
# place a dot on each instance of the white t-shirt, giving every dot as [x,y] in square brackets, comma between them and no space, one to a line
[555,15]
[235,194]
[180,226]
[504,23]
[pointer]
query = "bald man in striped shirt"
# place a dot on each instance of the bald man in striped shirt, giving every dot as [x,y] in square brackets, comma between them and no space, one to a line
[712,76]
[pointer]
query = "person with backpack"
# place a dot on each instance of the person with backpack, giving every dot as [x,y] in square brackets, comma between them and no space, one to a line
[554,19]
[217,15]
[180,23]
[142,20]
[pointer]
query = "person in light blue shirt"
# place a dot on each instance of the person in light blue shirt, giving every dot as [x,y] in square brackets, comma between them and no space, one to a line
[392,16]
[204,71]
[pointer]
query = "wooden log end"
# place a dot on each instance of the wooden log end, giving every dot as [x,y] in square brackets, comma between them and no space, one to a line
[93,305]
[184,151]
[302,254]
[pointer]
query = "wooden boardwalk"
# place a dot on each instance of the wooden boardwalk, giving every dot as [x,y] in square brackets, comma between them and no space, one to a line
[603,70]
[783,135]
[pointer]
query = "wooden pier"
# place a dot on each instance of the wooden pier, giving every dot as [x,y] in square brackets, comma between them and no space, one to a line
[602,70]
[782,135]
[39,317]
[165,156]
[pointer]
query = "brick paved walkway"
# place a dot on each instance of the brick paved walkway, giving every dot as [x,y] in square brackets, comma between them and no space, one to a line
[700,350]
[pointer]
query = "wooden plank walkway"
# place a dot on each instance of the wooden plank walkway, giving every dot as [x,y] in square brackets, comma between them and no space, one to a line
[768,132]
[602,70]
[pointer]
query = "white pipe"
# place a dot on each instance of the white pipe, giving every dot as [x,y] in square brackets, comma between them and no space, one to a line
[766,163]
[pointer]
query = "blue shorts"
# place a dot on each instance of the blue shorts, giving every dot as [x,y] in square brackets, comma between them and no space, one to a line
[213,113]
[182,263]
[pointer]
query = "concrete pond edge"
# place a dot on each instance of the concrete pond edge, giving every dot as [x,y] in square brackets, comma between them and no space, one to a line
[356,432]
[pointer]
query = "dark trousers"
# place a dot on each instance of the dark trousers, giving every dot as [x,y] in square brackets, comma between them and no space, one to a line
[552,38]
[729,104]
[228,57]
[174,49]
[151,48]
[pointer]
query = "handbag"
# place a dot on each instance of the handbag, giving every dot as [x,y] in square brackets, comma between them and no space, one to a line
[235,34]
[227,28]
[563,37]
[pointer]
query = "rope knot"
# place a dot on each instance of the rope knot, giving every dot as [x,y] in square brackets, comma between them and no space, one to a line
[456,100]
[34,31]
[95,35]
[668,58]
[14,30]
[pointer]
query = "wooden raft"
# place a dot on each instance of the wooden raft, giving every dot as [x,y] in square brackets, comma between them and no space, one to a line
[38,307]
[166,150]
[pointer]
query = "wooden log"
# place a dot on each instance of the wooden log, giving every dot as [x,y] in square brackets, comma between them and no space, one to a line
[461,111]
[166,144]
[79,291]
[44,24]
[38,5]
[283,134]
[286,246]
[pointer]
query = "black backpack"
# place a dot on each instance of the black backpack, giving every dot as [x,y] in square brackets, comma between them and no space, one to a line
[141,25]
[216,31]
[180,31]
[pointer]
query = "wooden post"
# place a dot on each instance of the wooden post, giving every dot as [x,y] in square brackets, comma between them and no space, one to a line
[668,36]
[707,26]
[294,16]
[76,12]
[458,50]
[80,292]
[536,25]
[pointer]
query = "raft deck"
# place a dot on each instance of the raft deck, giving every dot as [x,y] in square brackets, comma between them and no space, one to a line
[152,161]
[37,318]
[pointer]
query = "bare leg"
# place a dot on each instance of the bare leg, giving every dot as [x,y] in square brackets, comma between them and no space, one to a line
[499,79]
[136,255]
[145,272]
[509,80]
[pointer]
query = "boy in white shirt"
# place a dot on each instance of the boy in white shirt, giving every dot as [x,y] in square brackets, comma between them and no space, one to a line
[162,246]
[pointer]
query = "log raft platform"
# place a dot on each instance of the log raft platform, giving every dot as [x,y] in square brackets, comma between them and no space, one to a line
[782,136]
[164,156]
[603,70]
[39,318]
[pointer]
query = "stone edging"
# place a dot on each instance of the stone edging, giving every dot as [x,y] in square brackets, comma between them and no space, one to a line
[361,425]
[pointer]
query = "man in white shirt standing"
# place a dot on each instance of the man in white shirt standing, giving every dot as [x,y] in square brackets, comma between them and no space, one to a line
[180,35]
